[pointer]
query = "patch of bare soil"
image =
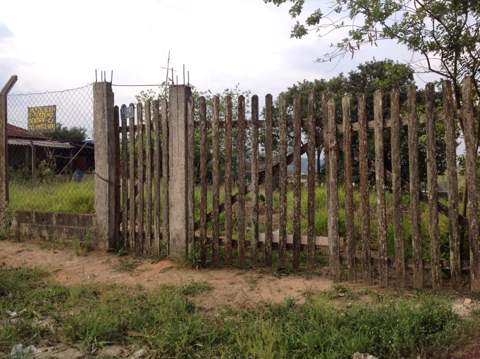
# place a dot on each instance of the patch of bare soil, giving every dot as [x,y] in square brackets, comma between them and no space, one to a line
[470,351]
[229,286]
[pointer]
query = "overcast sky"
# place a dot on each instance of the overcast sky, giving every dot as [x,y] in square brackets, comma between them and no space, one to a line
[53,44]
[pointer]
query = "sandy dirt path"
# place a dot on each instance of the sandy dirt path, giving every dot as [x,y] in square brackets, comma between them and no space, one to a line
[230,286]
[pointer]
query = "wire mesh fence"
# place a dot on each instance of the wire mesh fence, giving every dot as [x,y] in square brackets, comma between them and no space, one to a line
[50,150]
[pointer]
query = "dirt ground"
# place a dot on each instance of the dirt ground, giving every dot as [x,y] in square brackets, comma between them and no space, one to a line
[229,286]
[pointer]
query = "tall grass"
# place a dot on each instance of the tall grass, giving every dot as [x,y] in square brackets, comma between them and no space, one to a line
[172,326]
[53,196]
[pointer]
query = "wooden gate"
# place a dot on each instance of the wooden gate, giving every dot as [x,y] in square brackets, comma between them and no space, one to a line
[143,172]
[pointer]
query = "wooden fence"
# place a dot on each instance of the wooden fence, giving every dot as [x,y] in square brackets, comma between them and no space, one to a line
[246,201]
[143,165]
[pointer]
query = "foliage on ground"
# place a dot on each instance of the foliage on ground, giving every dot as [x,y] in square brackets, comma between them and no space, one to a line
[53,196]
[169,323]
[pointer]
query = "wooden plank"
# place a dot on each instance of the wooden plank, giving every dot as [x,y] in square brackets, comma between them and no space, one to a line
[241,180]
[348,172]
[432,186]
[156,176]
[191,177]
[364,192]
[283,178]
[118,242]
[471,147]
[380,187]
[228,180]
[311,153]
[397,188]
[414,188]
[297,195]
[254,179]
[203,179]
[140,183]
[165,177]
[148,179]
[333,237]
[355,126]
[452,177]
[124,176]
[325,139]
[215,179]
[131,179]
[268,179]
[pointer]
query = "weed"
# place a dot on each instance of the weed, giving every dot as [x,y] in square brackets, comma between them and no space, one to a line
[127,264]
[195,288]
[84,244]
[172,326]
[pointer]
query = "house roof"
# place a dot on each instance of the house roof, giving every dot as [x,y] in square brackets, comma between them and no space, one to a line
[39,143]
[18,132]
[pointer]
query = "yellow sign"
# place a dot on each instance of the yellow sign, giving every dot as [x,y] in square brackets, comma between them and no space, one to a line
[41,118]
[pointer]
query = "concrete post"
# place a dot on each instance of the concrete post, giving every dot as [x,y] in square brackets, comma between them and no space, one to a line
[4,148]
[106,174]
[179,98]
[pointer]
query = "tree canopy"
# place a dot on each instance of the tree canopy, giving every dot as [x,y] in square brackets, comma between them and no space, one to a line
[445,32]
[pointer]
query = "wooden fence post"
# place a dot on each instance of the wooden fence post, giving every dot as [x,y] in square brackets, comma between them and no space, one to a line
[414,187]
[4,147]
[333,238]
[380,186]
[364,193]
[397,187]
[432,187]
[106,174]
[471,129]
[451,147]
[179,97]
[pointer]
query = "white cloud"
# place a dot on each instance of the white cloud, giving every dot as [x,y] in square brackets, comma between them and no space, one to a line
[57,44]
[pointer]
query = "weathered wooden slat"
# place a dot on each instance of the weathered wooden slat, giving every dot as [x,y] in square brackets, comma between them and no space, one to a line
[364,192]
[203,179]
[228,180]
[283,181]
[325,139]
[242,186]
[397,188]
[471,131]
[132,179]
[140,247]
[255,180]
[311,152]
[319,121]
[452,177]
[156,176]
[414,188]
[432,187]
[124,176]
[333,237]
[118,242]
[268,179]
[191,176]
[148,179]
[348,172]
[215,179]
[380,187]
[297,195]
[165,177]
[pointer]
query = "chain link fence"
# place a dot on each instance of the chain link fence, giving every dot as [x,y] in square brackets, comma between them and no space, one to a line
[50,151]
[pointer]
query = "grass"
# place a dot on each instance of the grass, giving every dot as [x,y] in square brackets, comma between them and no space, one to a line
[170,325]
[53,196]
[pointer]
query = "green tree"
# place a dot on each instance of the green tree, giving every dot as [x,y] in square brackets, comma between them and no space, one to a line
[445,32]
[68,134]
